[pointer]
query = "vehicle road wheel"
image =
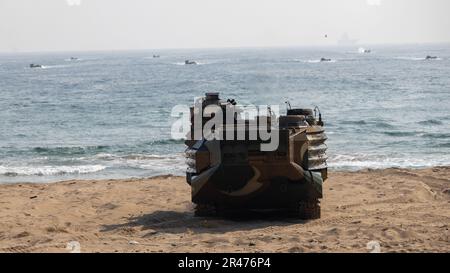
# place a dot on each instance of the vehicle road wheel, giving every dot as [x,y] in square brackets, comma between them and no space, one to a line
[205,210]
[307,210]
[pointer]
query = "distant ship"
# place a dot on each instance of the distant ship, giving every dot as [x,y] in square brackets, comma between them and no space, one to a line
[187,62]
[156,56]
[431,57]
[35,66]
[73,59]
[325,60]
[363,50]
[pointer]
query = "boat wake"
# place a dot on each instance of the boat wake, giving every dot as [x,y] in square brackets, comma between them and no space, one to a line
[54,66]
[417,59]
[315,61]
[196,63]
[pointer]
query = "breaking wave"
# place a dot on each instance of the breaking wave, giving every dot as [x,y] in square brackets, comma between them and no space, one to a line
[49,170]
[159,164]
[369,161]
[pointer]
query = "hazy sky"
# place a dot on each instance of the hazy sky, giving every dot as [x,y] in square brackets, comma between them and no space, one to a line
[47,25]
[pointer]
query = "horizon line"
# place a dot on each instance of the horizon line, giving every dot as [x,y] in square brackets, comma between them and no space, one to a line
[227,47]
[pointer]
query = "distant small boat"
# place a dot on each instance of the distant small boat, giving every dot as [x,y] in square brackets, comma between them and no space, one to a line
[73,59]
[187,62]
[156,56]
[325,60]
[431,57]
[35,66]
[363,50]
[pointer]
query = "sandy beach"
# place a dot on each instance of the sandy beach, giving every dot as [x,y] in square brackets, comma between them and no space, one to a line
[403,210]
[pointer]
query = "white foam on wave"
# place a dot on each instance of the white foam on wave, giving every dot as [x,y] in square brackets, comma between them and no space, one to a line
[166,164]
[170,165]
[364,161]
[49,170]
[160,164]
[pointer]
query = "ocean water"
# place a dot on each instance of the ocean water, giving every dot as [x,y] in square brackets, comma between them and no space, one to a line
[107,114]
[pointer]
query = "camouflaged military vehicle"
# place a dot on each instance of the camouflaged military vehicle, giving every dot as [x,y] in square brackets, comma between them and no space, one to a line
[232,175]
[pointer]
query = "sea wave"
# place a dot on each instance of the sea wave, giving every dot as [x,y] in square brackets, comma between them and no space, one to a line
[430,122]
[99,149]
[399,133]
[354,122]
[165,141]
[422,134]
[48,170]
[160,164]
[442,145]
[171,165]
[145,164]
[371,123]
[107,156]
[437,135]
[366,161]
[75,150]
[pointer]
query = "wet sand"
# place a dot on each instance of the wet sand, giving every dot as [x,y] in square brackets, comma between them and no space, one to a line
[402,210]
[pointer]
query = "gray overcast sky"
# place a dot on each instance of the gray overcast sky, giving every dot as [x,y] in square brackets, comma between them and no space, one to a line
[47,25]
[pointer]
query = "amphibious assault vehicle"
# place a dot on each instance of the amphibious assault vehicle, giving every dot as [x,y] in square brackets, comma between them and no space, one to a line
[229,175]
